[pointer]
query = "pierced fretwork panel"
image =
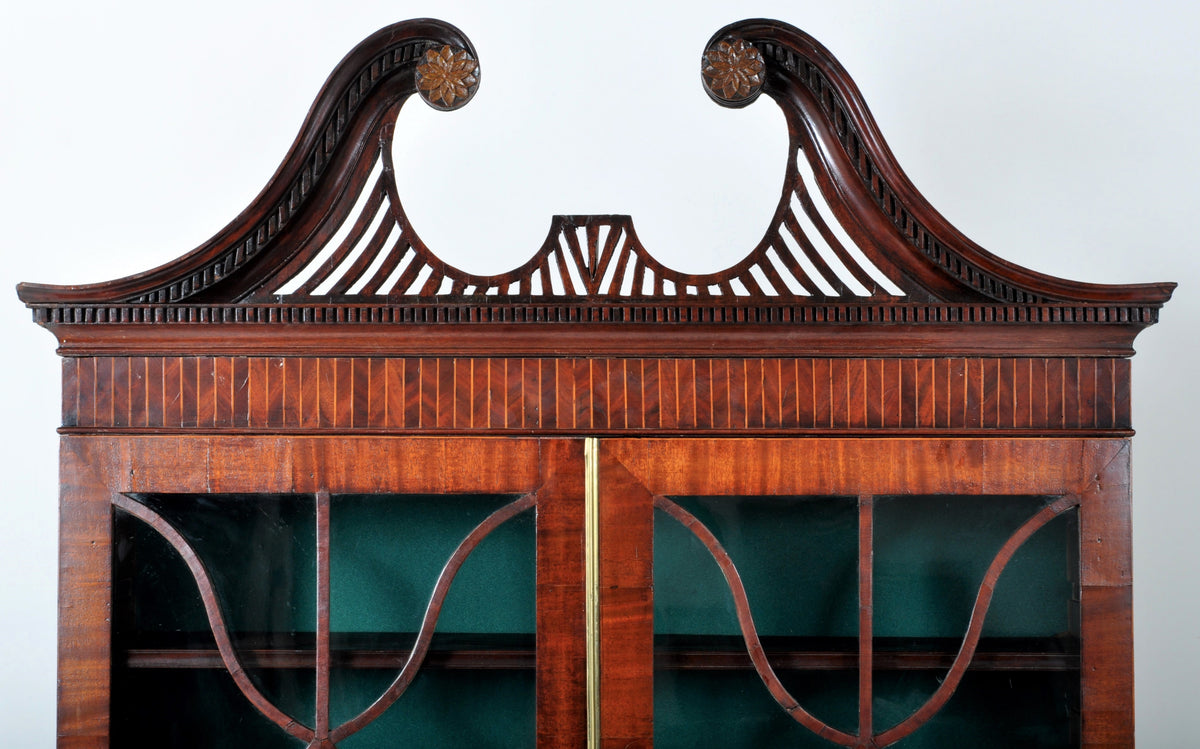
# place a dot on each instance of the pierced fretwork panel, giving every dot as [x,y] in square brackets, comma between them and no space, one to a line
[376,252]
[810,227]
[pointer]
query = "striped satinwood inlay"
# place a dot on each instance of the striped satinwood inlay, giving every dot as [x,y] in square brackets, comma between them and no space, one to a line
[606,395]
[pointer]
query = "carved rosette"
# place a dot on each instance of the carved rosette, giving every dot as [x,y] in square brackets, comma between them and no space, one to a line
[733,72]
[448,77]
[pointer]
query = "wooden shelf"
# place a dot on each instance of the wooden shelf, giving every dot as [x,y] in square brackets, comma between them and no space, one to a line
[306,659]
[671,660]
[891,654]
[824,661]
[673,653]
[358,650]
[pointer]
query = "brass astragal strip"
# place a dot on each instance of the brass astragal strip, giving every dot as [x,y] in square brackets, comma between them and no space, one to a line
[591,525]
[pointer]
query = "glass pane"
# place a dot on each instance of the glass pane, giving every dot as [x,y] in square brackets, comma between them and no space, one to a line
[989,710]
[169,686]
[446,709]
[797,559]
[386,553]
[703,708]
[192,708]
[931,553]
[931,556]
[258,550]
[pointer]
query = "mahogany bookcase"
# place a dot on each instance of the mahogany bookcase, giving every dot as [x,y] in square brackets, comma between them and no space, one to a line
[868,485]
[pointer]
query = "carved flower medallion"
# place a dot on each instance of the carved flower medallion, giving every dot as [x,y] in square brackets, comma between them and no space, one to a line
[448,77]
[733,71]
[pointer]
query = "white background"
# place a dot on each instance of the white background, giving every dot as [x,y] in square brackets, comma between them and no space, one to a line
[1059,135]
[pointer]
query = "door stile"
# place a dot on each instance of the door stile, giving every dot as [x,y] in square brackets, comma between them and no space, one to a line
[1106,600]
[85,590]
[624,554]
[563,715]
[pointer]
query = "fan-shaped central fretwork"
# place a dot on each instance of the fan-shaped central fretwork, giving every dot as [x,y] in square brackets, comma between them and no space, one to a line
[377,252]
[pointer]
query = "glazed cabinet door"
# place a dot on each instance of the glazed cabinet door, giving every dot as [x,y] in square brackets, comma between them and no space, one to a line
[337,592]
[512,592]
[860,592]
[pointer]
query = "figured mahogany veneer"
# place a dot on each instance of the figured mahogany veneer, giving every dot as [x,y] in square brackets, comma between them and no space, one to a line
[1090,475]
[592,396]
[863,347]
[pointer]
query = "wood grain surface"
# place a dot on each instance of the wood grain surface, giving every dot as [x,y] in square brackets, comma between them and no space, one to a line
[591,396]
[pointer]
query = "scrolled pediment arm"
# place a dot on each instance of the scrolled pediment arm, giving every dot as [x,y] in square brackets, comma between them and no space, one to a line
[834,130]
[360,97]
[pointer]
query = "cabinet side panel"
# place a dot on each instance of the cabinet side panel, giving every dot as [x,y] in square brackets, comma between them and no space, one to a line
[1107,650]
[84,598]
[1106,598]
[1106,554]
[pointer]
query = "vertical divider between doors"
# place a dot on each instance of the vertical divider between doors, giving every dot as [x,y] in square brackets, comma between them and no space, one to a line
[591,554]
